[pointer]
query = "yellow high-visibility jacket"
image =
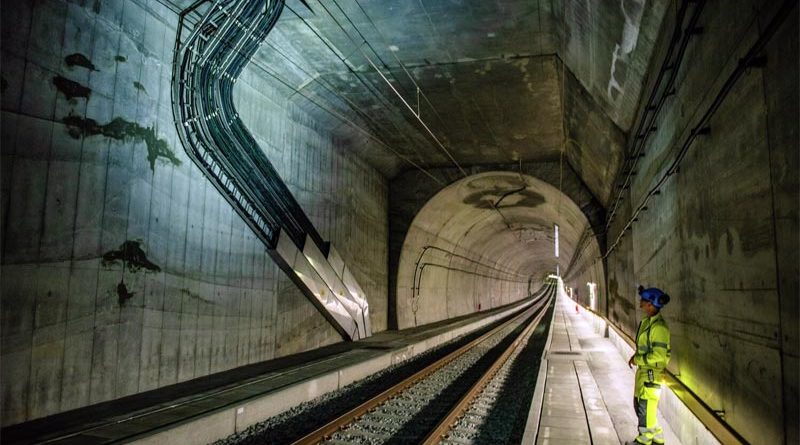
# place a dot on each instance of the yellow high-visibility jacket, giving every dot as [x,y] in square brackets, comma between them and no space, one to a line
[652,352]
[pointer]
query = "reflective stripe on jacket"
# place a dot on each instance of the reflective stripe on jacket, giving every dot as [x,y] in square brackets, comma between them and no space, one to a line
[652,343]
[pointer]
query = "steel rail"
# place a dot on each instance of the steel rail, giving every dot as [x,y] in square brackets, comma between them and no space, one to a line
[324,432]
[440,432]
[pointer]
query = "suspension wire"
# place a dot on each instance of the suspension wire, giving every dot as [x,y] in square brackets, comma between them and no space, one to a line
[364,116]
[329,88]
[397,93]
[366,42]
[420,92]
[370,88]
[331,111]
[351,123]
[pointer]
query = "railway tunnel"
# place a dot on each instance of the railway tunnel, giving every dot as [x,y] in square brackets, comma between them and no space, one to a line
[216,211]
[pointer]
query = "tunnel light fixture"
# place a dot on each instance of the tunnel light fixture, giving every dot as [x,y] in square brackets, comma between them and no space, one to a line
[592,295]
[556,238]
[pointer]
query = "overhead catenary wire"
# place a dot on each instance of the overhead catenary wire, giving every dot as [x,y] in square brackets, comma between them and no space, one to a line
[352,124]
[395,91]
[420,92]
[337,115]
[369,88]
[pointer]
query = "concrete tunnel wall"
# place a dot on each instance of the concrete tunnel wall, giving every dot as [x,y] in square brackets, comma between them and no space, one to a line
[200,295]
[478,242]
[722,237]
[97,191]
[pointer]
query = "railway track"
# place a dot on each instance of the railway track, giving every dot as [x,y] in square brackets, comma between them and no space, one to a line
[449,401]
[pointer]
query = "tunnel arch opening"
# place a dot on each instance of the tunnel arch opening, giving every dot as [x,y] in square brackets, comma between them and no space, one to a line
[488,240]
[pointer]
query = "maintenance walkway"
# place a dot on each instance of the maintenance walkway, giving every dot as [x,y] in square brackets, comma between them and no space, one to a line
[584,393]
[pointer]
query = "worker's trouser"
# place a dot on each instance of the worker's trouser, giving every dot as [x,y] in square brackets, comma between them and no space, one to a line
[646,405]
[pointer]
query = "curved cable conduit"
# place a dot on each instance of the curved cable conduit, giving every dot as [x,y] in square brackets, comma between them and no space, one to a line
[215,41]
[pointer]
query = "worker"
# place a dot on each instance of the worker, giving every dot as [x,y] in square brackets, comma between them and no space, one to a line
[651,358]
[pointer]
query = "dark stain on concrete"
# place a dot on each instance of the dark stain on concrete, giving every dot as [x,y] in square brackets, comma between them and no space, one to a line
[529,199]
[79,59]
[195,296]
[757,240]
[132,256]
[121,59]
[729,241]
[123,294]
[122,130]
[613,287]
[487,199]
[96,7]
[70,88]
[139,86]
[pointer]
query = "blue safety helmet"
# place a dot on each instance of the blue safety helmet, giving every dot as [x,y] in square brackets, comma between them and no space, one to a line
[654,295]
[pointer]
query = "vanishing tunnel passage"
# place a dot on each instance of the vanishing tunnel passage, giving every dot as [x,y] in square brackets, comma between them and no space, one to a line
[220,213]
[486,241]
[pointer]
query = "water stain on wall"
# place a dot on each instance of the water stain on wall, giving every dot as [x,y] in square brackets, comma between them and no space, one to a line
[121,59]
[488,199]
[139,86]
[132,256]
[123,293]
[195,296]
[121,130]
[70,88]
[79,59]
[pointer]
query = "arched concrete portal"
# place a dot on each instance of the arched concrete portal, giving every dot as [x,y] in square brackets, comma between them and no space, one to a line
[484,241]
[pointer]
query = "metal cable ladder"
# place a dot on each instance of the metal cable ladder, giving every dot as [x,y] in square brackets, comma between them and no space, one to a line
[215,41]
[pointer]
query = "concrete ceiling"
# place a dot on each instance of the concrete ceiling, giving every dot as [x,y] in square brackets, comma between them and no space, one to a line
[491,81]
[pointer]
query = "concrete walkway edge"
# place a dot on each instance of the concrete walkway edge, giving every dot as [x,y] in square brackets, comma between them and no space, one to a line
[584,388]
[535,412]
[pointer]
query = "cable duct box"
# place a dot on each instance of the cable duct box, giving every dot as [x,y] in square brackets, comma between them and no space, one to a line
[329,285]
